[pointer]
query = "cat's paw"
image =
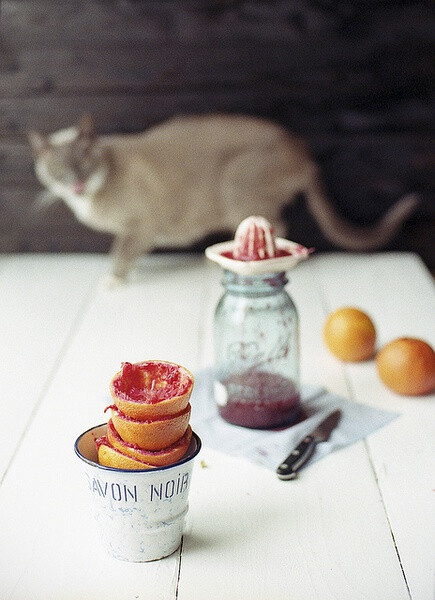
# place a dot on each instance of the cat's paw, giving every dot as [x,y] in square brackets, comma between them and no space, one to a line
[112,281]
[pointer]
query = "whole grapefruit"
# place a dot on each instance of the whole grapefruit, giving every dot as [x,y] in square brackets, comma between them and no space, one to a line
[407,366]
[349,333]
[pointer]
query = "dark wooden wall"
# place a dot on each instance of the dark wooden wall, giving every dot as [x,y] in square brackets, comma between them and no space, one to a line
[353,77]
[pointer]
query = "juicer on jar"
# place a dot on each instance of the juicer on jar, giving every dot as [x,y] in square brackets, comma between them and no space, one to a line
[256,329]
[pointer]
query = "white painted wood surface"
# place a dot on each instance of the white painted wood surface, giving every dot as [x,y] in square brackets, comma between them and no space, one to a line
[357,525]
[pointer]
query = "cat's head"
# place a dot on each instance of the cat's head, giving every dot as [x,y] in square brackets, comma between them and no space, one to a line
[70,158]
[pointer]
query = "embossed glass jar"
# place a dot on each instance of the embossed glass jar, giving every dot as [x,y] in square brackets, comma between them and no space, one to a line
[256,340]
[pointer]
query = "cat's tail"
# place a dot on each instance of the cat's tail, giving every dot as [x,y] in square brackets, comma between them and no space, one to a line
[352,237]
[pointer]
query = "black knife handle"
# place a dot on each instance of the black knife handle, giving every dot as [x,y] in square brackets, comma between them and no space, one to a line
[297,458]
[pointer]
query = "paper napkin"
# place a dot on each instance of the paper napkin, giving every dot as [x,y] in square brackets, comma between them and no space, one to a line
[269,447]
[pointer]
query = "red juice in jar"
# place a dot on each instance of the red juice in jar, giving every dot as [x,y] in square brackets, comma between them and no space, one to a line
[259,400]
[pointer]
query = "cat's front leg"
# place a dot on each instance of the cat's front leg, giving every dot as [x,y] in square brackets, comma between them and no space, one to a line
[126,249]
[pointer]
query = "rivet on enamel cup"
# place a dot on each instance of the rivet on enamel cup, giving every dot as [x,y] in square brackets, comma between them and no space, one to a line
[139,514]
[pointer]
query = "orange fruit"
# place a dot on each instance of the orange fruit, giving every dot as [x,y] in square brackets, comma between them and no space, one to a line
[151,389]
[152,434]
[110,457]
[407,366]
[158,458]
[350,335]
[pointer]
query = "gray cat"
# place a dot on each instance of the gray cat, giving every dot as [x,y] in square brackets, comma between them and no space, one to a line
[188,177]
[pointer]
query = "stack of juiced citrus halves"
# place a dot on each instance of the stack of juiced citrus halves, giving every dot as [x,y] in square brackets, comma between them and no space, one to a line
[149,424]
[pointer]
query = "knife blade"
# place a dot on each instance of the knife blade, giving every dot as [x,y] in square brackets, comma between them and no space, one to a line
[302,453]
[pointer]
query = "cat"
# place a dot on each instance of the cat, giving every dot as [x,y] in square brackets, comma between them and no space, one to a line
[190,176]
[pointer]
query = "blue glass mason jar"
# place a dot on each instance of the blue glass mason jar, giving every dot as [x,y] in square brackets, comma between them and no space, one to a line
[256,343]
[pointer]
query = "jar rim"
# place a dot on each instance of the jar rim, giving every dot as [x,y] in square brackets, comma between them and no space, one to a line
[254,283]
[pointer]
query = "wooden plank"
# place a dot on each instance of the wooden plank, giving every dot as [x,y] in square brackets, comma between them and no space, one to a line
[59,22]
[134,112]
[403,452]
[305,72]
[38,319]
[252,42]
[264,532]
[24,228]
[311,544]
[57,554]
[16,163]
[127,112]
[7,63]
[193,19]
[107,68]
[306,531]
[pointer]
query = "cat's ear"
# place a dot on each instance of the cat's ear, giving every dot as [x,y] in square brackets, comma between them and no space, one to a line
[38,141]
[86,127]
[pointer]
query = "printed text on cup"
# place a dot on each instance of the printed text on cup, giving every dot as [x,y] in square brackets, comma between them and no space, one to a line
[129,493]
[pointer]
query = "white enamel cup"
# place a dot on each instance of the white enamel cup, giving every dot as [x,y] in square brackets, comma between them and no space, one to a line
[139,514]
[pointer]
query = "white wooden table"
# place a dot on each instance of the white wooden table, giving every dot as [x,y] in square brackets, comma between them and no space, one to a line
[357,525]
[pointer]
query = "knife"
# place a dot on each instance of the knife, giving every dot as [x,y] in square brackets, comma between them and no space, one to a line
[302,453]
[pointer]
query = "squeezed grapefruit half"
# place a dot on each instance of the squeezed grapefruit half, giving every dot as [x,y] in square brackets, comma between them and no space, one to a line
[151,389]
[152,434]
[158,458]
